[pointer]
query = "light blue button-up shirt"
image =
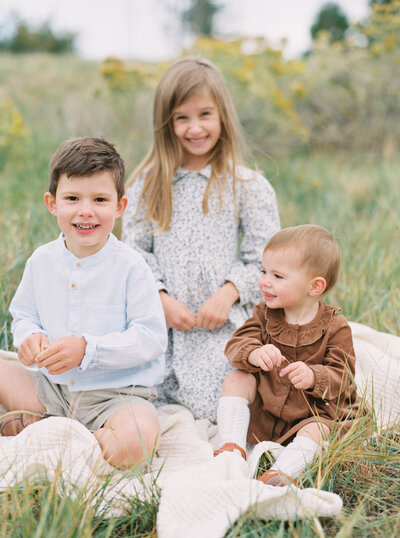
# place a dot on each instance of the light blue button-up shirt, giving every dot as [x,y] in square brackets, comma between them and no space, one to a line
[109,298]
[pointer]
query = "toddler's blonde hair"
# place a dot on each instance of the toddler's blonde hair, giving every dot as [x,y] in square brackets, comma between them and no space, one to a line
[317,250]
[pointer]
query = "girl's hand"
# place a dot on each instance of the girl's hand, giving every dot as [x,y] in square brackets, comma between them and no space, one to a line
[299,374]
[177,315]
[214,312]
[30,347]
[266,357]
[62,355]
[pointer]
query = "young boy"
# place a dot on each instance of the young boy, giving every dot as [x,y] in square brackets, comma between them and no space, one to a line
[87,318]
[294,357]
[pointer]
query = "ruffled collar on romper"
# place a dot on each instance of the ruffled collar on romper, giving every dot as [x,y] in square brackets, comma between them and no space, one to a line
[299,335]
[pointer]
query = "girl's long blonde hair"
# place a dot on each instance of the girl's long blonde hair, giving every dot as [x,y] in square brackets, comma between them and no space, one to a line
[184,79]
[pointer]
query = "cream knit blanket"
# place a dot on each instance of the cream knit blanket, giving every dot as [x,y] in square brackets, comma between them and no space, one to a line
[201,496]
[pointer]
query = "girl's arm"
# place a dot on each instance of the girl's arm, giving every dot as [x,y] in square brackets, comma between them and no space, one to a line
[258,222]
[137,234]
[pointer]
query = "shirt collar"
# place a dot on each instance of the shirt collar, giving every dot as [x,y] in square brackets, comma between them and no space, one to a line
[182,173]
[88,261]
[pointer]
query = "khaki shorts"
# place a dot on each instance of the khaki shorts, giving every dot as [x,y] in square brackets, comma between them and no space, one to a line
[91,407]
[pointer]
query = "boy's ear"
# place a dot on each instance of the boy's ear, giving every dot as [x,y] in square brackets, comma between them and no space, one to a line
[121,206]
[318,286]
[50,202]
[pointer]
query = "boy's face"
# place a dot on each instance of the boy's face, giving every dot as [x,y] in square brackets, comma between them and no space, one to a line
[284,282]
[86,208]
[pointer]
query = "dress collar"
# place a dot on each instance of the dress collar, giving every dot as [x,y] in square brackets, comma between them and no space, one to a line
[182,173]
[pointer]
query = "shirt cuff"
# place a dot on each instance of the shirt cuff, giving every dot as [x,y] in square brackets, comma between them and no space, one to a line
[320,381]
[88,358]
[161,286]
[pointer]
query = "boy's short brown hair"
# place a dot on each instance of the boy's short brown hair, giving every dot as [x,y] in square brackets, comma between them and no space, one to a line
[316,247]
[84,156]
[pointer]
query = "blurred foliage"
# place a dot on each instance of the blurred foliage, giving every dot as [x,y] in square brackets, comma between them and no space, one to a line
[339,97]
[26,39]
[330,19]
[383,29]
[13,132]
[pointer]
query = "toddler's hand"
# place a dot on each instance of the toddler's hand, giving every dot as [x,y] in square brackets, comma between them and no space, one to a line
[62,355]
[266,357]
[214,312]
[30,347]
[300,375]
[177,315]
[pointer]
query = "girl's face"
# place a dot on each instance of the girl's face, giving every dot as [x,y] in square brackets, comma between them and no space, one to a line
[197,126]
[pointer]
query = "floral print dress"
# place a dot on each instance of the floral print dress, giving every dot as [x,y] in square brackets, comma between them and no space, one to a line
[192,260]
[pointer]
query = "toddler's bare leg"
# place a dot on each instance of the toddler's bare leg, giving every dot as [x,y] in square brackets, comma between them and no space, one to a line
[316,431]
[17,392]
[239,383]
[129,435]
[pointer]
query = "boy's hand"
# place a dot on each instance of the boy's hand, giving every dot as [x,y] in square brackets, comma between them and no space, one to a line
[30,347]
[266,357]
[214,312]
[299,374]
[177,315]
[62,355]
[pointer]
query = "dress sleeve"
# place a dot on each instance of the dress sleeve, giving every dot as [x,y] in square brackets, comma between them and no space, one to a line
[139,234]
[245,339]
[258,222]
[334,376]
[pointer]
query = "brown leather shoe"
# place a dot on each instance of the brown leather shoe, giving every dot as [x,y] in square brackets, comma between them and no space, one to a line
[14,422]
[230,447]
[273,477]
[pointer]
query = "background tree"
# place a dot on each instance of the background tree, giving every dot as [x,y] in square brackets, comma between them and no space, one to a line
[199,17]
[331,19]
[371,2]
[22,38]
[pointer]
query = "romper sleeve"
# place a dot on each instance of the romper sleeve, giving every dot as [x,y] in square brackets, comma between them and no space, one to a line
[137,233]
[248,337]
[334,377]
[258,222]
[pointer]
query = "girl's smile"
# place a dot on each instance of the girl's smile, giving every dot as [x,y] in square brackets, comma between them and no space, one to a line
[197,126]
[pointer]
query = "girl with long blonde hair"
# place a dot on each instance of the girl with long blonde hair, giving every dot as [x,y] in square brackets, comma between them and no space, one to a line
[200,219]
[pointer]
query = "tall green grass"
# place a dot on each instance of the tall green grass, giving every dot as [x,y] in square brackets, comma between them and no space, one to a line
[354,195]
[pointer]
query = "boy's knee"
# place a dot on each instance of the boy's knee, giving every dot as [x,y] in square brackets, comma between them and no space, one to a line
[129,436]
[239,383]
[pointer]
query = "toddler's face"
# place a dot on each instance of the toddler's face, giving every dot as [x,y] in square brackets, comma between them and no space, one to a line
[283,282]
[197,125]
[86,208]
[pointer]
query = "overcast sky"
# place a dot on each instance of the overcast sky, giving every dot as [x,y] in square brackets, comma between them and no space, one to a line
[146,29]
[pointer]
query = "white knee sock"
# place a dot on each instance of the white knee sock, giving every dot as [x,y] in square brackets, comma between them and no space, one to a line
[233,417]
[296,456]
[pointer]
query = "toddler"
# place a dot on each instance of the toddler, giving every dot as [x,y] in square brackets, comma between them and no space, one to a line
[294,357]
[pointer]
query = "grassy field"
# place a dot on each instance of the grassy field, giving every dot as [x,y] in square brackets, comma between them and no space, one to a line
[353,194]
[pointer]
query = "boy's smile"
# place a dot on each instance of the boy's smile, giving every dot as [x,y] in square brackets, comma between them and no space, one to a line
[86,208]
